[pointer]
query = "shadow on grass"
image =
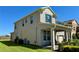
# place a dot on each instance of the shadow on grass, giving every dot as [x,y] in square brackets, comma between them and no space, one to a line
[9,43]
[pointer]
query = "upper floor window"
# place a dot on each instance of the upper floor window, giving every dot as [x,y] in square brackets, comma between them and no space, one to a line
[48,18]
[74,28]
[31,19]
[23,23]
[26,20]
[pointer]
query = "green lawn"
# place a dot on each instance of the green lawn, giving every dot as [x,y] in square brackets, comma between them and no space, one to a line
[7,46]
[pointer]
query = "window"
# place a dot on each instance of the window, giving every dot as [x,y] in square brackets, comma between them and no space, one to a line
[73,28]
[46,35]
[48,18]
[23,23]
[31,19]
[26,20]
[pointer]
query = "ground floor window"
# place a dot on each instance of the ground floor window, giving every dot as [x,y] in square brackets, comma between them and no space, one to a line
[46,35]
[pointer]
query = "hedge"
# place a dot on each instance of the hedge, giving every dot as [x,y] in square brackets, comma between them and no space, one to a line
[69,48]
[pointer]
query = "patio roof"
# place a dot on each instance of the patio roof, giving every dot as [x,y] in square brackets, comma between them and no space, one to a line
[60,26]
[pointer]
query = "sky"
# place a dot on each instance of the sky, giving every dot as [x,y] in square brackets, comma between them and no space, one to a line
[10,14]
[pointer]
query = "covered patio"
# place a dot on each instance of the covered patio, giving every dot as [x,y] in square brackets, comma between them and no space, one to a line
[57,33]
[60,33]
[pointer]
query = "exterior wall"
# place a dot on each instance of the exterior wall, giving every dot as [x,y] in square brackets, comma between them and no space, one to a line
[42,16]
[42,26]
[40,38]
[77,31]
[28,31]
[74,25]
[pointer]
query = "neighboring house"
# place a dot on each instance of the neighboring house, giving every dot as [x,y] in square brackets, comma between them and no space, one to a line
[41,28]
[74,25]
[77,31]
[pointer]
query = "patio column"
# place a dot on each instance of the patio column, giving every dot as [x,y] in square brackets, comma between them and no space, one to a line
[67,35]
[53,39]
[71,35]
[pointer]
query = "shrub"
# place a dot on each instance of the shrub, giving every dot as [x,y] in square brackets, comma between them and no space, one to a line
[71,48]
[26,41]
[65,43]
[60,47]
[74,36]
[77,34]
[20,41]
[16,40]
[66,49]
[76,42]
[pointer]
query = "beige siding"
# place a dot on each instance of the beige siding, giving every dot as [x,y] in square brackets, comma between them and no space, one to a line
[42,26]
[32,32]
[42,18]
[74,25]
[29,30]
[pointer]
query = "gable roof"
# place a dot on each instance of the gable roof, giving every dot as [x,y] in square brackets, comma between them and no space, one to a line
[49,9]
[38,10]
[70,21]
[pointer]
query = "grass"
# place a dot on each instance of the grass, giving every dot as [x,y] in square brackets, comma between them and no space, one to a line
[8,46]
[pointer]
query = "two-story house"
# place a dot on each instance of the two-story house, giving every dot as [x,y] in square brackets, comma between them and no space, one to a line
[41,28]
[74,25]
